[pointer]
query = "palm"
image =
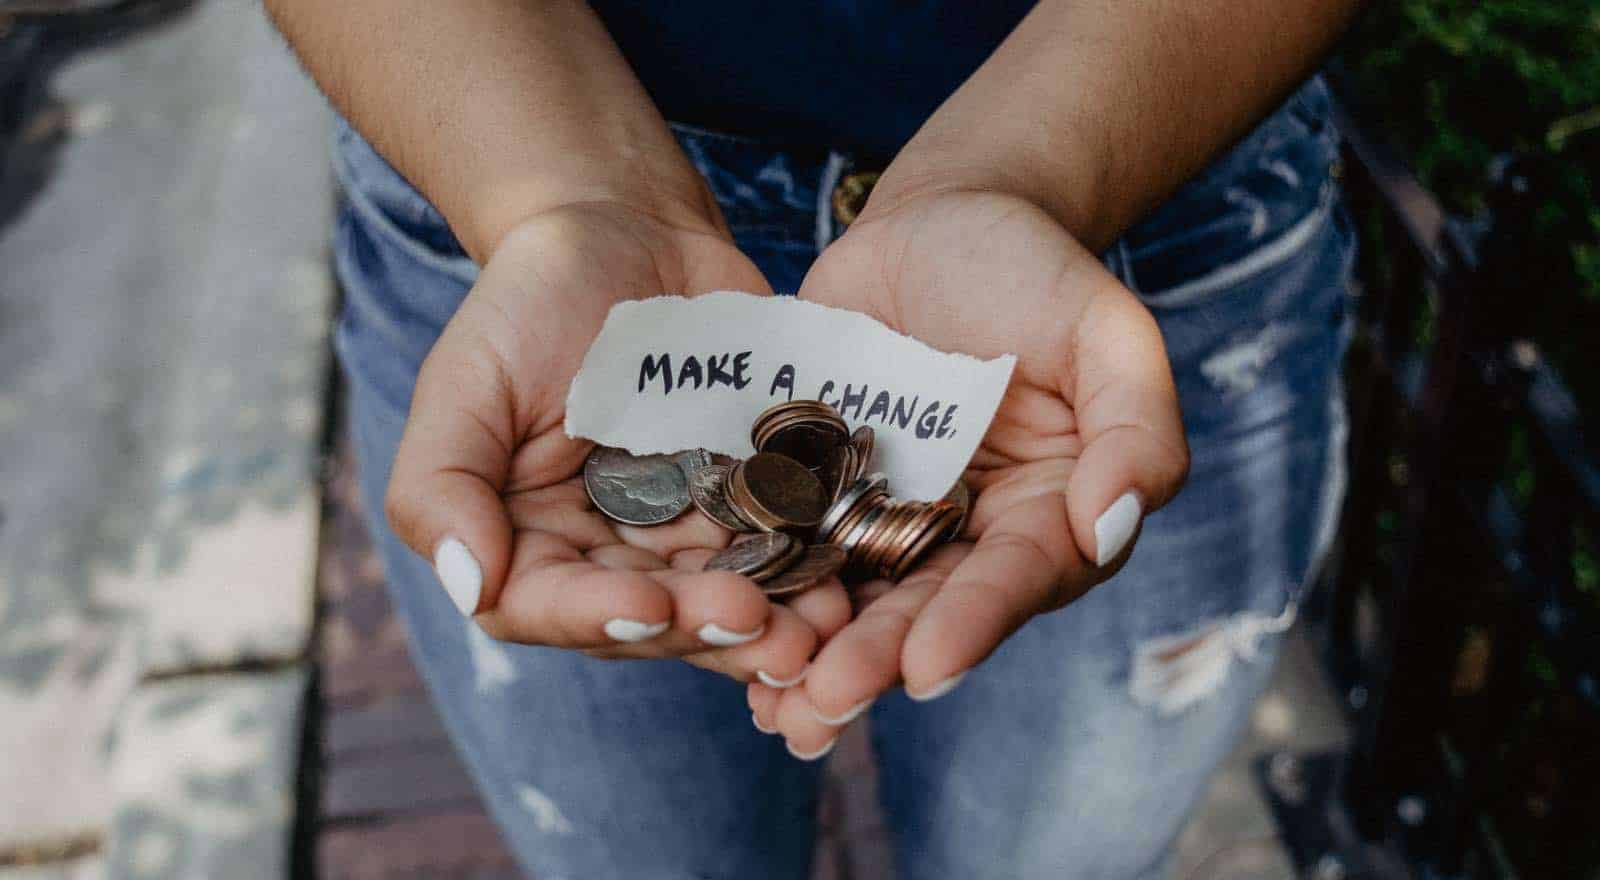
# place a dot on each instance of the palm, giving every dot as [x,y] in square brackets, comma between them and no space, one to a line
[486,459]
[1091,415]
[988,275]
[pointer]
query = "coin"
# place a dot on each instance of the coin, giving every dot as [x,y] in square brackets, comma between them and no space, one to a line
[706,487]
[818,563]
[755,555]
[864,442]
[692,459]
[838,471]
[777,492]
[939,523]
[960,496]
[829,529]
[640,490]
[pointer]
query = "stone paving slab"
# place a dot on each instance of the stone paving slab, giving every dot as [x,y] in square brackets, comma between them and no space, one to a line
[204,775]
[164,310]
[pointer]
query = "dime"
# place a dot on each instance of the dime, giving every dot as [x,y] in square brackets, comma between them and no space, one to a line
[692,459]
[828,529]
[960,496]
[776,492]
[765,553]
[640,490]
[818,563]
[706,487]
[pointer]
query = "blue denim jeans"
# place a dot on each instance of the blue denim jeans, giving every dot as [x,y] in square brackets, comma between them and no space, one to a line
[1078,748]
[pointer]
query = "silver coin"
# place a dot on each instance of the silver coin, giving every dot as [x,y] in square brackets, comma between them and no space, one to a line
[848,499]
[706,487]
[756,555]
[692,460]
[640,490]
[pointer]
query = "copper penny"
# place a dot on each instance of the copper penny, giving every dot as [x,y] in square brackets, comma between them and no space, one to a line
[818,563]
[781,492]
[755,555]
[864,441]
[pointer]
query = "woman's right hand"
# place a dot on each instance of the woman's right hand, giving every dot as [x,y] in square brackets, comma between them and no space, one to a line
[488,486]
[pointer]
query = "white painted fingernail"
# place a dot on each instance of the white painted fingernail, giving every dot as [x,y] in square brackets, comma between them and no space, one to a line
[624,630]
[938,690]
[811,756]
[1115,527]
[712,634]
[460,574]
[781,683]
[757,722]
[849,715]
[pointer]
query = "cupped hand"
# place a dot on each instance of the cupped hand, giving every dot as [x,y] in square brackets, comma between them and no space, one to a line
[1085,442]
[487,484]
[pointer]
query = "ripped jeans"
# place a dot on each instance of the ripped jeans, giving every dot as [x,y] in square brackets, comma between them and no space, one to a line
[1078,748]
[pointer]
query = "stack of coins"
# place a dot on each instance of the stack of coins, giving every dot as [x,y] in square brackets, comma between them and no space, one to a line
[883,537]
[805,494]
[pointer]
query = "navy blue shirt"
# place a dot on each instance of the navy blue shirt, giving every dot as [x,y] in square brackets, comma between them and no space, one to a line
[860,75]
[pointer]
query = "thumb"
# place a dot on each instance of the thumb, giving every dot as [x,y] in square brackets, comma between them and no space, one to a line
[443,498]
[1135,456]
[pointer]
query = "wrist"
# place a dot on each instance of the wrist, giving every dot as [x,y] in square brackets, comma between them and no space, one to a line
[1068,194]
[677,203]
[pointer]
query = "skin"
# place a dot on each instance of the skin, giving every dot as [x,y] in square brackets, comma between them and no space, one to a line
[524,125]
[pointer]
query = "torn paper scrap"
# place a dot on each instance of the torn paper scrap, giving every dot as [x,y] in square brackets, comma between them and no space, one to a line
[673,373]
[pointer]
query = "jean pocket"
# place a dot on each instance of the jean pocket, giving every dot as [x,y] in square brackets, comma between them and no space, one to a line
[1221,256]
[389,206]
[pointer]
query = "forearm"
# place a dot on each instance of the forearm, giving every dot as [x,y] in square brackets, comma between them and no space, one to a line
[1097,109]
[496,109]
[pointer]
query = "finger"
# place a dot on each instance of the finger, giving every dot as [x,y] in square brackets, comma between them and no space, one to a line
[863,660]
[1017,569]
[691,530]
[763,701]
[716,609]
[826,607]
[556,596]
[1135,457]
[778,659]
[796,719]
[443,498]
[564,510]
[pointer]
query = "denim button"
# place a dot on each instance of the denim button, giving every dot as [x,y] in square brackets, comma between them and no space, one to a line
[850,196]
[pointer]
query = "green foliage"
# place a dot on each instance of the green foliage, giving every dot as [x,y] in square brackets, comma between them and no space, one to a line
[1455,83]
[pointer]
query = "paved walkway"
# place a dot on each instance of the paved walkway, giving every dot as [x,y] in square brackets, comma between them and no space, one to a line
[164,303]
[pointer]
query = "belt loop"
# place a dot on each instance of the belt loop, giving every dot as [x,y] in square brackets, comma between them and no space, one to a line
[831,173]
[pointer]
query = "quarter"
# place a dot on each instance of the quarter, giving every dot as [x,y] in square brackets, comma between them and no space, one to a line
[640,490]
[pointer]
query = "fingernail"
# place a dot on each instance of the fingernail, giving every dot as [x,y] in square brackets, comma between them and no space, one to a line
[938,690]
[781,683]
[811,756]
[757,722]
[460,574]
[624,630]
[1114,527]
[712,634]
[849,715]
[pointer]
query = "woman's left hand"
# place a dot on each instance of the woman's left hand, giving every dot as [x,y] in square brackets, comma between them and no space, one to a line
[1086,441]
